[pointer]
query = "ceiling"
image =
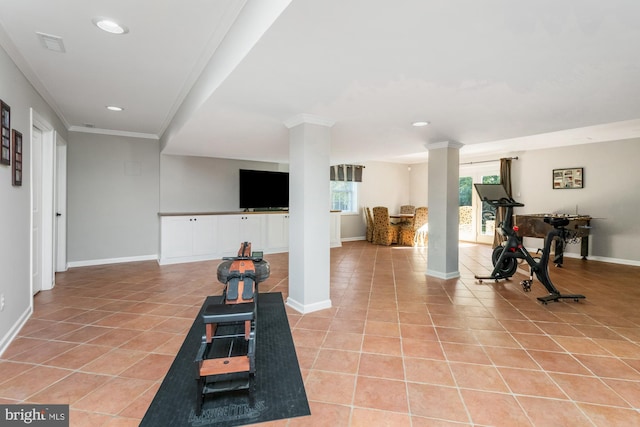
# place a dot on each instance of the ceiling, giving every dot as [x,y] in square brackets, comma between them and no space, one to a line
[219,78]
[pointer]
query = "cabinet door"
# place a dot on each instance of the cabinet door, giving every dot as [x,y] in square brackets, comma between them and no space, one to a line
[205,230]
[277,233]
[176,237]
[335,239]
[251,230]
[229,238]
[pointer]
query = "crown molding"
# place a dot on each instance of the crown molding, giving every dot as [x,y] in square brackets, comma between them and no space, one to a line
[311,119]
[443,144]
[111,132]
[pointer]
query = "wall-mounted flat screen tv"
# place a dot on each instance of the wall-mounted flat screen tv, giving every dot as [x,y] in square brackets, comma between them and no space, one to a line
[264,189]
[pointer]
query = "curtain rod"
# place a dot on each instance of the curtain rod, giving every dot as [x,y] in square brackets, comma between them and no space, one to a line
[488,161]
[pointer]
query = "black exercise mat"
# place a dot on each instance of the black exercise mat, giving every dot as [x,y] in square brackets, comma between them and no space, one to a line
[276,392]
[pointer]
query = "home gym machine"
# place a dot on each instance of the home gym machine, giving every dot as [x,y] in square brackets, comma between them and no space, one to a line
[226,358]
[505,257]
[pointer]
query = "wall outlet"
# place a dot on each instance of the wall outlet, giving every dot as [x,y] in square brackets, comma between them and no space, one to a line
[1,302]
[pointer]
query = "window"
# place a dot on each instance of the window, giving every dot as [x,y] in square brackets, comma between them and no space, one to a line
[344,196]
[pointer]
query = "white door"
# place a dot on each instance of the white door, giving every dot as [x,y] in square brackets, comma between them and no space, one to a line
[42,203]
[61,206]
[36,210]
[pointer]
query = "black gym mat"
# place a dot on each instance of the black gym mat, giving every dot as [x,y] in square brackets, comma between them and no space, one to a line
[276,391]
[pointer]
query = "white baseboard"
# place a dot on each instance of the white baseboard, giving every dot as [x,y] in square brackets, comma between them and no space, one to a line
[445,276]
[15,329]
[354,239]
[576,255]
[308,308]
[611,260]
[104,261]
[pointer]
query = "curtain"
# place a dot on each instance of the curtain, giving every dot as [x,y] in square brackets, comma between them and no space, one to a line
[505,180]
[346,173]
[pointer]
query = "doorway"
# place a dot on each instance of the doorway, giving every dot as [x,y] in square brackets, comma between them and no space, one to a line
[43,184]
[477,218]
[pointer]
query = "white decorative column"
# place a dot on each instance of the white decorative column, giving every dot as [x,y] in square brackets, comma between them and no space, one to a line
[309,210]
[444,189]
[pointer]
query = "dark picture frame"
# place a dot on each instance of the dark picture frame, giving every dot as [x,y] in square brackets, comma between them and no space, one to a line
[16,169]
[5,129]
[568,178]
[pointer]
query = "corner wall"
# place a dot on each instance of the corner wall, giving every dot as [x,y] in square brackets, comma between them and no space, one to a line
[112,198]
[15,202]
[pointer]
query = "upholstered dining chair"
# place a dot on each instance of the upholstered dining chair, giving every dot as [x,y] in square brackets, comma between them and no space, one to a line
[466,219]
[407,209]
[415,234]
[368,217]
[384,233]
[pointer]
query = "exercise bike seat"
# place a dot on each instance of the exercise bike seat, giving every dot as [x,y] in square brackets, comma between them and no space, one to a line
[557,222]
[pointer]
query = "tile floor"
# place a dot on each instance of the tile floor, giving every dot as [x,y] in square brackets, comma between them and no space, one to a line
[398,348]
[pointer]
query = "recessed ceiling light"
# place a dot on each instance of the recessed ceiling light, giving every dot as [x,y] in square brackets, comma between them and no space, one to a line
[114,108]
[420,124]
[110,26]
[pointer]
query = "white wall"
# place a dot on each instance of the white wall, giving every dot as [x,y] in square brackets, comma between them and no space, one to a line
[610,195]
[419,185]
[113,195]
[203,184]
[15,202]
[383,184]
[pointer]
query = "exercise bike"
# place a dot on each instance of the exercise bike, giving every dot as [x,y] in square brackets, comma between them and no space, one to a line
[505,257]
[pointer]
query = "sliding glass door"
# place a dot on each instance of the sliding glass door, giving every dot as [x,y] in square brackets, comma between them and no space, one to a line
[477,219]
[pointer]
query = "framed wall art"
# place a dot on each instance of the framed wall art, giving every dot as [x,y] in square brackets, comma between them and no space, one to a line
[568,178]
[16,169]
[5,127]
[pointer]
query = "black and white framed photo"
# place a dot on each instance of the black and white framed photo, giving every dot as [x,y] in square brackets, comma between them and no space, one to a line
[16,169]
[5,127]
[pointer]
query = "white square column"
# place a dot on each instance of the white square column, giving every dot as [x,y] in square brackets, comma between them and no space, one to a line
[444,193]
[309,213]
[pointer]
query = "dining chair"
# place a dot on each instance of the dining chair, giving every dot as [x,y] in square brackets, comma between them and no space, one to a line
[384,233]
[415,234]
[368,217]
[407,209]
[465,219]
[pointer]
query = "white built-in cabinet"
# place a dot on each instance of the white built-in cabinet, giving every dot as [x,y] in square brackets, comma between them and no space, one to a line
[187,238]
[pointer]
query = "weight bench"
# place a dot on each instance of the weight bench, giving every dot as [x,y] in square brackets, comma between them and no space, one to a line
[226,358]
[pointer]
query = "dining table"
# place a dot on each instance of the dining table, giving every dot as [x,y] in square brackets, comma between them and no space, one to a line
[400,218]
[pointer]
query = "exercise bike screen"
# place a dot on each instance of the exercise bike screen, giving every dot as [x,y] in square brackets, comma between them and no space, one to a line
[491,192]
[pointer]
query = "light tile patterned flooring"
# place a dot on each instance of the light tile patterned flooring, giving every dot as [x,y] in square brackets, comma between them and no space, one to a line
[398,348]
